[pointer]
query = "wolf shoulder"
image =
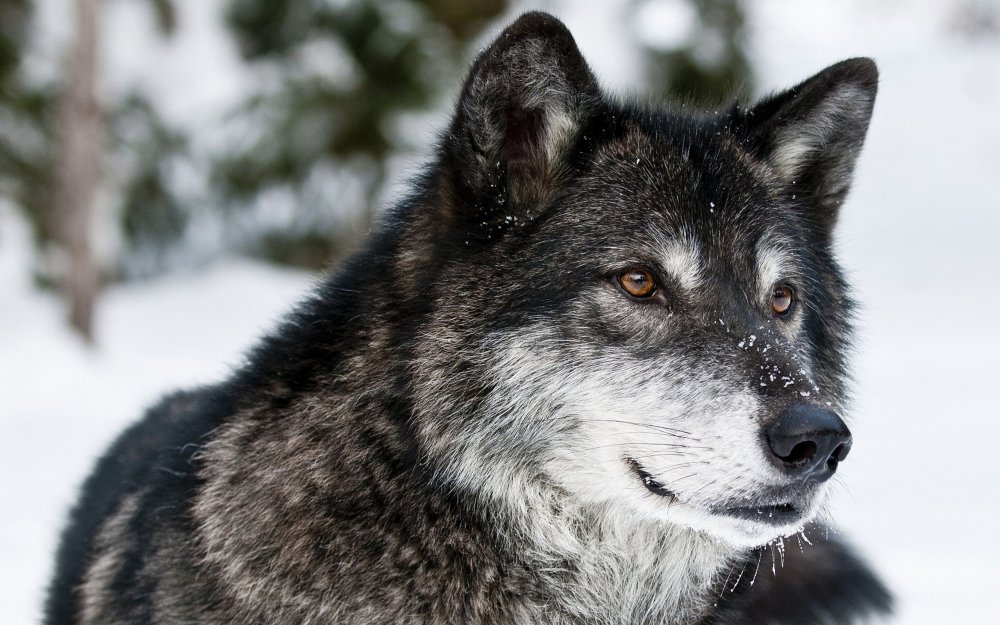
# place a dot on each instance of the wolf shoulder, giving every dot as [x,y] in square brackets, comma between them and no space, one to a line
[136,490]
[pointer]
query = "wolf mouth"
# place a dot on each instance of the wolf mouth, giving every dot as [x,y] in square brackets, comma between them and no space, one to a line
[773,514]
[777,514]
[648,480]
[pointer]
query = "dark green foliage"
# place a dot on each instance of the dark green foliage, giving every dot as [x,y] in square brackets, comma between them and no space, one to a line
[27,123]
[166,16]
[142,150]
[345,75]
[14,17]
[713,66]
[464,19]
[300,247]
[152,216]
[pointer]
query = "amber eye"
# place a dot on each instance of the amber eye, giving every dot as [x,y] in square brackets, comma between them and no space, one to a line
[637,282]
[782,298]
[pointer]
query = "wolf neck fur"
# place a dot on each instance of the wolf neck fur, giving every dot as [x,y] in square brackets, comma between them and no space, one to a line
[602,564]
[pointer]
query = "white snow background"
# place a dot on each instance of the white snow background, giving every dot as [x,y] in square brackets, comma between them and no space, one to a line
[919,235]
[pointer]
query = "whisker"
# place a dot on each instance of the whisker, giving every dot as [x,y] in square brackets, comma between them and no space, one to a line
[644,444]
[760,556]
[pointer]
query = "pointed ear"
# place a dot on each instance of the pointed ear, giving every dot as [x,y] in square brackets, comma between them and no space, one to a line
[519,115]
[812,134]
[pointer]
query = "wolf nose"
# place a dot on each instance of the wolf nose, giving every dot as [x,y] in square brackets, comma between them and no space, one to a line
[808,442]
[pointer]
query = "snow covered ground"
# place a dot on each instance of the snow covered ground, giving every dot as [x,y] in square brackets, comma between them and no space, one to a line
[919,236]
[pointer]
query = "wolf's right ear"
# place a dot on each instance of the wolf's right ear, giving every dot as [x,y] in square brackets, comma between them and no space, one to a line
[520,113]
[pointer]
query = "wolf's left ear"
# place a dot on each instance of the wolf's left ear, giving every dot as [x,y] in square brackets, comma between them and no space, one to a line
[812,133]
[519,115]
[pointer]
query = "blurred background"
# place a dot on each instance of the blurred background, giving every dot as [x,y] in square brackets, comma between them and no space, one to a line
[174,173]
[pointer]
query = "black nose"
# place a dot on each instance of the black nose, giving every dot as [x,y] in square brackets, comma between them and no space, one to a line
[808,442]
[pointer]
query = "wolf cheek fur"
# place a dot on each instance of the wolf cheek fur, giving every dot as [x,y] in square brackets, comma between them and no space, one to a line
[474,421]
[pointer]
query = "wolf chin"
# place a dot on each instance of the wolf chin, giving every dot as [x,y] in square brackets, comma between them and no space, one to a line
[591,370]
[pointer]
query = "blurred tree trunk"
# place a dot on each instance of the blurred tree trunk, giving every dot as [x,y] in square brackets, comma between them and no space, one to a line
[78,168]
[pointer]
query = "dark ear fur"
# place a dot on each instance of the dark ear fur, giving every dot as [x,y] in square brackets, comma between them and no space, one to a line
[520,114]
[812,133]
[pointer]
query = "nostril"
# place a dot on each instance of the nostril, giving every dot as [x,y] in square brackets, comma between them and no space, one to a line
[800,453]
[837,457]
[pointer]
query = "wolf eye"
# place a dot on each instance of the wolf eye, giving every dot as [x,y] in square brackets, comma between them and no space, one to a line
[637,282]
[782,298]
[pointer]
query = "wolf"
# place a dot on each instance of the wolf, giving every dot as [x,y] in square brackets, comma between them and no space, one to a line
[592,370]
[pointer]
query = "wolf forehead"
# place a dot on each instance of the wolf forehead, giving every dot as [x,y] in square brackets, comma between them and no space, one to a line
[684,188]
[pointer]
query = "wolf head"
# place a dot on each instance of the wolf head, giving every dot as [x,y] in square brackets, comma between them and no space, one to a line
[638,309]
